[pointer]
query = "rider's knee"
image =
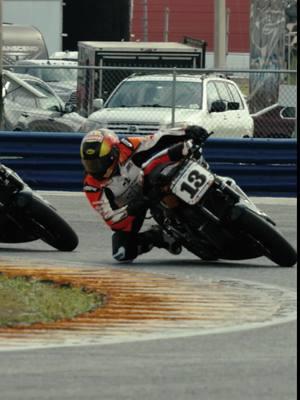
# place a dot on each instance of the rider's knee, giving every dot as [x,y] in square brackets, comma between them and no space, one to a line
[121,256]
[124,247]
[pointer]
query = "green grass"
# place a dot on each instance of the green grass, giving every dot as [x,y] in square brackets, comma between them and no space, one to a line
[25,301]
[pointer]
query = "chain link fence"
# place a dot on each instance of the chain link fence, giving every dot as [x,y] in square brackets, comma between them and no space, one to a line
[232,103]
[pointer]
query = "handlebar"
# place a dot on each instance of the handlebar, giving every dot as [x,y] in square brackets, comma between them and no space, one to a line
[195,146]
[9,177]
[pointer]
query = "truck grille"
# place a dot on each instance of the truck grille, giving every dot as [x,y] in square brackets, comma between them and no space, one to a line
[133,129]
[73,98]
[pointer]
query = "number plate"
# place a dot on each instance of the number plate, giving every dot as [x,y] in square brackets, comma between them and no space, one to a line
[191,185]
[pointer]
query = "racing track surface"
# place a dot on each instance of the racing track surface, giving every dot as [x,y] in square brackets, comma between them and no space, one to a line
[252,358]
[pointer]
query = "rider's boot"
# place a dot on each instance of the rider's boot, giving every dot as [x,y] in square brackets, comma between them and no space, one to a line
[156,237]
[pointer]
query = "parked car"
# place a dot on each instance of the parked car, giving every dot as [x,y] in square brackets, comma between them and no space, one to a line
[142,104]
[275,121]
[61,75]
[32,105]
[278,120]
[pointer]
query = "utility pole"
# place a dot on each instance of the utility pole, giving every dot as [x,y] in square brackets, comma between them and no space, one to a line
[220,34]
[1,63]
[166,24]
[227,29]
[145,21]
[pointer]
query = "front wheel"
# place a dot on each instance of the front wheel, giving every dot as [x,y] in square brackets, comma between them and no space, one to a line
[276,247]
[45,223]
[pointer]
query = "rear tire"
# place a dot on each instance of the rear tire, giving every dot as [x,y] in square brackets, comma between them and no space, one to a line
[50,227]
[278,249]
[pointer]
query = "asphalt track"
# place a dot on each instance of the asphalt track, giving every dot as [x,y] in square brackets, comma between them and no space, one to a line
[252,359]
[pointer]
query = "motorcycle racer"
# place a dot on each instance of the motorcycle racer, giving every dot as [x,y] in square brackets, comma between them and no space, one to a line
[116,172]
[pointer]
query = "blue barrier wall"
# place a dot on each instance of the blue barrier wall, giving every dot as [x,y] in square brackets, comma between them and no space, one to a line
[50,161]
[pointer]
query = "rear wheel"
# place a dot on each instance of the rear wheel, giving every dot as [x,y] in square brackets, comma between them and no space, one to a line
[276,247]
[44,222]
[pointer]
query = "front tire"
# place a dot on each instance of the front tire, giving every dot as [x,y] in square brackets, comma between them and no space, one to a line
[49,226]
[277,248]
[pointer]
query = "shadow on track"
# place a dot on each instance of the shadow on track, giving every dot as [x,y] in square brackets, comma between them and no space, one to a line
[4,250]
[157,264]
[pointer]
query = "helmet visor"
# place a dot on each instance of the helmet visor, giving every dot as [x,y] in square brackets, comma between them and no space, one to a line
[97,167]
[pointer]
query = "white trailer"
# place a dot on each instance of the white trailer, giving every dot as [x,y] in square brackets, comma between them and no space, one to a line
[45,15]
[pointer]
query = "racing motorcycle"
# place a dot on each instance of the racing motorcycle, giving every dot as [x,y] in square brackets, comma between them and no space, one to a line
[211,215]
[25,216]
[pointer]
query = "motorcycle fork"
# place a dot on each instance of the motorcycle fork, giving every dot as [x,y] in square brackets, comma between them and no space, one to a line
[228,197]
[213,227]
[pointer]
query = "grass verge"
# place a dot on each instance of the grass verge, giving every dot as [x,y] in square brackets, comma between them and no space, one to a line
[26,301]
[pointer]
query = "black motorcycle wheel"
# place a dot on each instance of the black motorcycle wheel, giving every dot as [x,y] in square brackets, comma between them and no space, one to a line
[45,223]
[277,248]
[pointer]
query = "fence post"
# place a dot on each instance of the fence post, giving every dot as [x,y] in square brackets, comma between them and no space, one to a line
[173,97]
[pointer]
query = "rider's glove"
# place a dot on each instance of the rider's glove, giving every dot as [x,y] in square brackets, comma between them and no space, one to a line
[137,206]
[197,134]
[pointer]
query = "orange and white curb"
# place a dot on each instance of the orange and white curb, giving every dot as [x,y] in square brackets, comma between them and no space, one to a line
[143,306]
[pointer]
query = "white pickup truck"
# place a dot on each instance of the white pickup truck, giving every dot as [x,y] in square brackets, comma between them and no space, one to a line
[143,104]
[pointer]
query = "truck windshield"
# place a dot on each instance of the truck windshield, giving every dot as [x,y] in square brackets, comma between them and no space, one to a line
[50,74]
[157,94]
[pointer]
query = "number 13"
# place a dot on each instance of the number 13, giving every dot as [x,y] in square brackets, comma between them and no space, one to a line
[197,180]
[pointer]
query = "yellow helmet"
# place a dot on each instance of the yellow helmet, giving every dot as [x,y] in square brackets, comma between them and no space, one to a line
[99,152]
